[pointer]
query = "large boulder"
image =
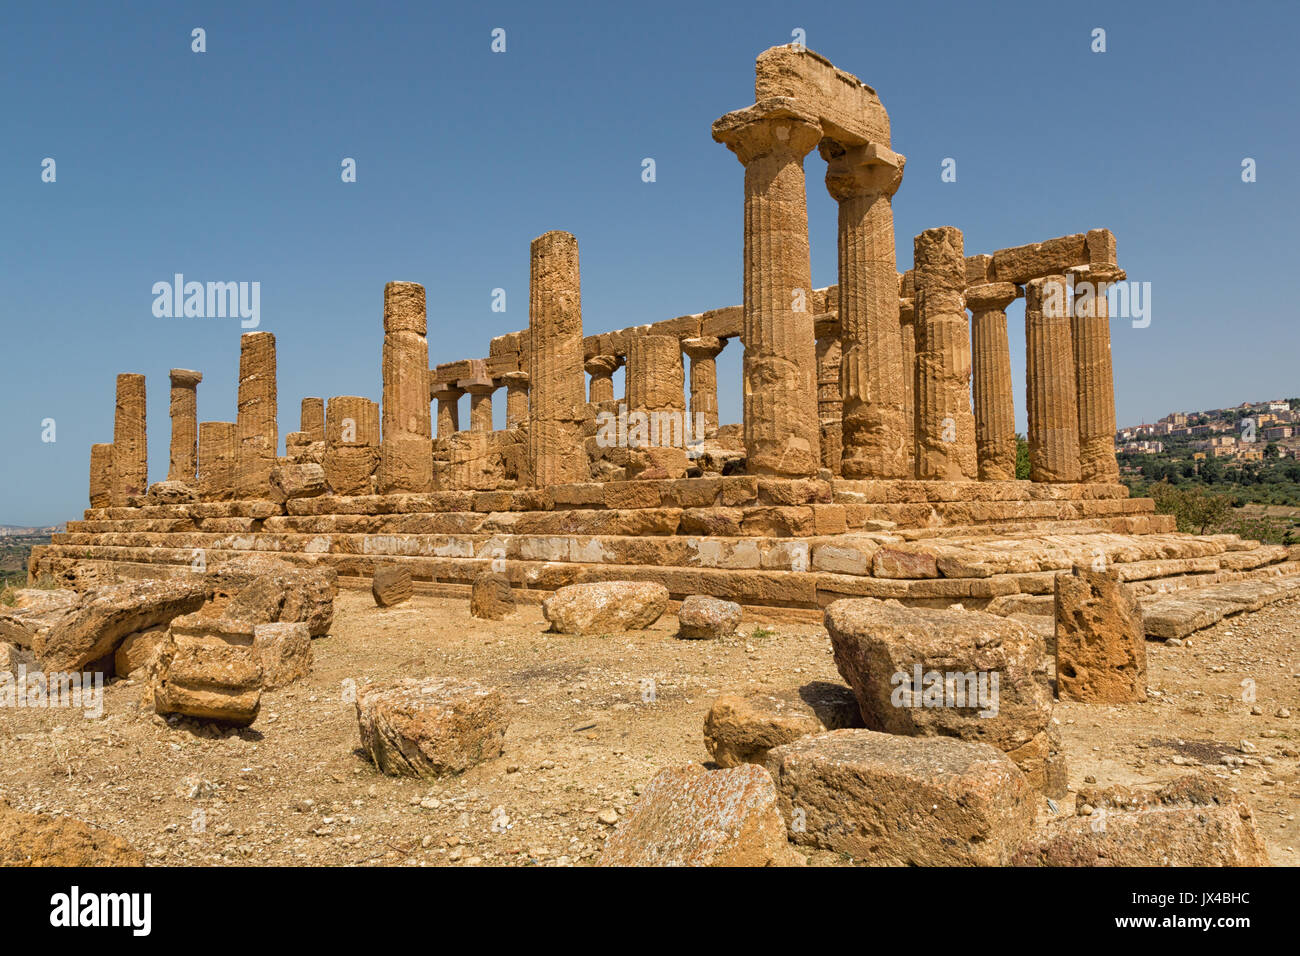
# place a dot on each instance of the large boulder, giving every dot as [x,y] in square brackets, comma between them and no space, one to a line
[208,680]
[688,816]
[30,839]
[740,730]
[260,590]
[104,616]
[431,728]
[283,651]
[1192,821]
[898,801]
[701,617]
[605,607]
[947,673]
[1101,653]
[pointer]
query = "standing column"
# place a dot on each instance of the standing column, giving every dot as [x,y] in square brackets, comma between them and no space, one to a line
[995,419]
[703,352]
[352,440]
[601,368]
[945,424]
[558,402]
[406,451]
[655,380]
[907,335]
[218,460]
[862,179]
[516,398]
[830,401]
[256,416]
[480,403]
[185,426]
[1050,394]
[771,139]
[448,397]
[101,475]
[312,419]
[1094,380]
[130,444]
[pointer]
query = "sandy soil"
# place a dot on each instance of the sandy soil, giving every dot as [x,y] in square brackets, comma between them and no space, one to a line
[593,720]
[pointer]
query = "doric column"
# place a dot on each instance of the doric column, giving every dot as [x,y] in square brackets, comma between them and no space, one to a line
[480,402]
[516,398]
[312,419]
[259,437]
[771,139]
[830,400]
[448,398]
[184,462]
[601,368]
[406,457]
[995,419]
[1050,394]
[703,352]
[907,335]
[1094,380]
[862,179]
[101,475]
[945,424]
[130,444]
[558,391]
[218,459]
[655,380]
[352,437]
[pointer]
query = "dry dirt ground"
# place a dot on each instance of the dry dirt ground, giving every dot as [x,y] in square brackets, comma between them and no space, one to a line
[593,719]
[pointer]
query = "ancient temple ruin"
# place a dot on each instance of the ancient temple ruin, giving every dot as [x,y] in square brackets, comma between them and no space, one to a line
[876,456]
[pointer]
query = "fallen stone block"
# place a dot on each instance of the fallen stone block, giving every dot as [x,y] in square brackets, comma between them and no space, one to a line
[31,839]
[899,801]
[701,617]
[283,651]
[299,480]
[1165,617]
[605,607]
[1101,653]
[688,816]
[740,730]
[208,681]
[171,493]
[13,657]
[391,585]
[490,597]
[140,651]
[262,590]
[431,728]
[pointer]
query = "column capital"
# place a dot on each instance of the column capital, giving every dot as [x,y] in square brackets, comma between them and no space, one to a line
[477,386]
[1097,273]
[867,170]
[771,126]
[991,296]
[703,347]
[185,378]
[445,391]
[515,379]
[602,365]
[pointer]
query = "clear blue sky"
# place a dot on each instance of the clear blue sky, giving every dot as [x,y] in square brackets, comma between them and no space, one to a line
[225,166]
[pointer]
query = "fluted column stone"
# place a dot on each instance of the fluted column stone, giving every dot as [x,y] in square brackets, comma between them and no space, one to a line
[995,419]
[558,392]
[406,450]
[255,420]
[184,462]
[1050,390]
[130,442]
[1094,377]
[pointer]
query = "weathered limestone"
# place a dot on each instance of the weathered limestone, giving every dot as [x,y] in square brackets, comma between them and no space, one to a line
[480,402]
[601,368]
[655,381]
[1050,383]
[1101,654]
[907,333]
[995,420]
[130,446]
[490,597]
[185,426]
[702,617]
[517,398]
[101,475]
[208,680]
[406,457]
[255,422]
[847,109]
[283,649]
[1094,381]
[391,585]
[435,727]
[945,424]
[555,364]
[312,419]
[703,352]
[862,179]
[781,425]
[830,403]
[218,459]
[448,399]
[352,434]
[606,607]
[741,730]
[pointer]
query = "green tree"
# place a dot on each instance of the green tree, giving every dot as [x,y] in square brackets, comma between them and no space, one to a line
[1022,458]
[1195,509]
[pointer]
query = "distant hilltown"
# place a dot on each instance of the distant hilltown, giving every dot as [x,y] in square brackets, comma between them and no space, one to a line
[9,530]
[1245,432]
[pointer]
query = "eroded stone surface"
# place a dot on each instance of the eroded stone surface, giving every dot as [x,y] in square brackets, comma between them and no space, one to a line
[431,728]
[606,607]
[741,729]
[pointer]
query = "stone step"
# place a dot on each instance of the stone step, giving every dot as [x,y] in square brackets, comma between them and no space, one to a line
[1175,616]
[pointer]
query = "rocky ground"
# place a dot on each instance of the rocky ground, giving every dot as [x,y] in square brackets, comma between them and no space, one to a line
[593,719]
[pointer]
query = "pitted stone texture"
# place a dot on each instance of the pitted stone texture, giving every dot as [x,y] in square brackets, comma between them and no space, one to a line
[301,480]
[655,379]
[139,652]
[407,449]
[263,590]
[283,651]
[558,393]
[208,680]
[130,445]
[185,425]
[312,419]
[13,658]
[352,435]
[104,616]
[257,432]
[879,645]
[171,493]
[897,801]
[606,607]
[702,617]
[431,728]
[491,598]
[688,816]
[1101,654]
[703,352]
[391,585]
[740,730]
[1050,394]
[101,475]
[218,460]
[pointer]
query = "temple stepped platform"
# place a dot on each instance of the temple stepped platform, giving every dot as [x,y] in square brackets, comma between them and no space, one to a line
[793,543]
